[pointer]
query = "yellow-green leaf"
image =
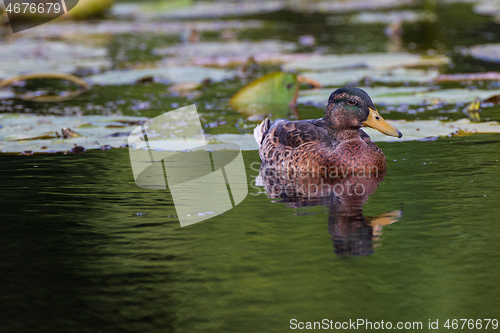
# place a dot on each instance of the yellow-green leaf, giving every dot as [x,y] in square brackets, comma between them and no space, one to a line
[273,88]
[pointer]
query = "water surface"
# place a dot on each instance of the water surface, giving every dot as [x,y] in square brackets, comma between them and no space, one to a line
[86,250]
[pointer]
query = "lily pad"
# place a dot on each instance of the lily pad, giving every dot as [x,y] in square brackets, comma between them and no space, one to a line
[225,49]
[201,9]
[343,77]
[423,129]
[412,130]
[126,9]
[486,52]
[367,60]
[275,58]
[44,134]
[27,56]
[403,95]
[166,74]
[487,7]
[488,76]
[407,16]
[68,30]
[6,94]
[341,6]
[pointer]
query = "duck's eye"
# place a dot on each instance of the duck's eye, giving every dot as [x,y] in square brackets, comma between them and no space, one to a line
[352,101]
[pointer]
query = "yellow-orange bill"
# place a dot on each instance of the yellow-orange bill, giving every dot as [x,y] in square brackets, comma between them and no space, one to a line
[376,121]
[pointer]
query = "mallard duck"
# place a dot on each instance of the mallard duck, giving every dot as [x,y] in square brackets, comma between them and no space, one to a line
[334,146]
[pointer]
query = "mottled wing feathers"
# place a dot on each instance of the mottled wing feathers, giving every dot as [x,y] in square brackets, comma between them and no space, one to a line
[308,145]
[295,133]
[294,144]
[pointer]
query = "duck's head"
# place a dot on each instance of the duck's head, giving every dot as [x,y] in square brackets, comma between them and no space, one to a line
[352,108]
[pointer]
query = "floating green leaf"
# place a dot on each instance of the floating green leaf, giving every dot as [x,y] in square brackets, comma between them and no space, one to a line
[86,9]
[273,88]
[270,94]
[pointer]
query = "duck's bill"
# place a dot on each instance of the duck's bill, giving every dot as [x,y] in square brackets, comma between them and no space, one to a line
[376,121]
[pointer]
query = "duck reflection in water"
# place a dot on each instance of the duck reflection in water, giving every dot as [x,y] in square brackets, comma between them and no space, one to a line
[352,233]
[329,161]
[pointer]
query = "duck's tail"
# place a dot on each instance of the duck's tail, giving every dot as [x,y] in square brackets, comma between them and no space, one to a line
[260,130]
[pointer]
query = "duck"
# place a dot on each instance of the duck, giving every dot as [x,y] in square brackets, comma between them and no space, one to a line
[333,147]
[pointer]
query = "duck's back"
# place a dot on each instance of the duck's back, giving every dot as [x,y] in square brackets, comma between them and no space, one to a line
[308,145]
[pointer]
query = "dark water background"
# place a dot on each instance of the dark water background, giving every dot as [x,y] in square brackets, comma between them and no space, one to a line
[86,250]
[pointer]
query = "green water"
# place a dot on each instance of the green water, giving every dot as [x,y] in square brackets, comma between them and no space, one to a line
[84,249]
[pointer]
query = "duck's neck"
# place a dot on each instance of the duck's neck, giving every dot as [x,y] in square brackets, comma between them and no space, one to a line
[344,134]
[341,124]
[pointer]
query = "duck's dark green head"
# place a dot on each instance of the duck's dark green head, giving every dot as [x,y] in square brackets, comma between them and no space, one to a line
[352,108]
